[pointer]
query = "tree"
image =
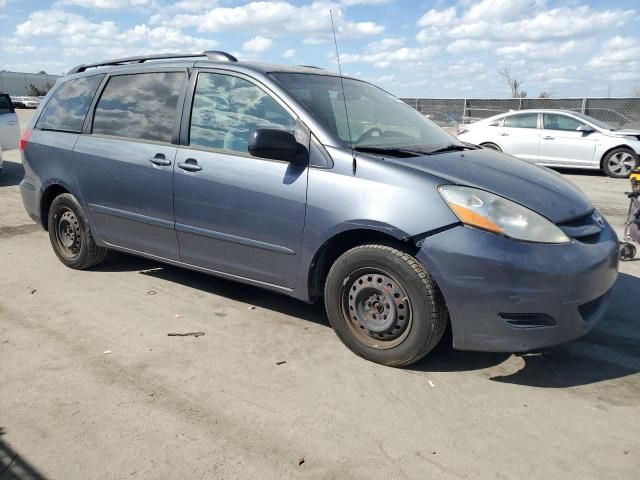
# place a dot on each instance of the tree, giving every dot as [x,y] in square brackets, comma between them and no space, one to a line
[33,91]
[42,72]
[544,94]
[514,84]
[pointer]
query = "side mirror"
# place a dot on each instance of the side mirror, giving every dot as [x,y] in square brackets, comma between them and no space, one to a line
[277,145]
[585,129]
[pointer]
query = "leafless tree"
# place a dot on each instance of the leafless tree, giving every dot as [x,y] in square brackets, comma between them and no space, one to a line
[635,91]
[514,84]
[544,94]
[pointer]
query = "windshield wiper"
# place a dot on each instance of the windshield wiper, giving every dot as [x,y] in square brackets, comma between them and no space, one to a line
[449,148]
[392,151]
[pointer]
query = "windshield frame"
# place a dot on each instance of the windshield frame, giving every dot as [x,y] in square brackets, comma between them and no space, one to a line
[337,141]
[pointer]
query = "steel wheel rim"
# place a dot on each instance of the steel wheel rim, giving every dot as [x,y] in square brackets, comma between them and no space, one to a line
[67,232]
[376,308]
[621,163]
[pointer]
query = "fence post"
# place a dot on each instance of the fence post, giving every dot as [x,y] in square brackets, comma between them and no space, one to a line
[520,103]
[584,106]
[464,110]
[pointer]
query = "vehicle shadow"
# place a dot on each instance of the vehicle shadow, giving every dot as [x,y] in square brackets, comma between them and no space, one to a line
[14,466]
[12,174]
[611,350]
[239,292]
[579,171]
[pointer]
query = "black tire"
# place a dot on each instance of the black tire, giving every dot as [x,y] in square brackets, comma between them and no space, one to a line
[381,279]
[619,162]
[70,235]
[491,146]
[627,251]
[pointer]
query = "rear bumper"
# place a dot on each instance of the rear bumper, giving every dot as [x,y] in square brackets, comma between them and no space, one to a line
[506,295]
[30,200]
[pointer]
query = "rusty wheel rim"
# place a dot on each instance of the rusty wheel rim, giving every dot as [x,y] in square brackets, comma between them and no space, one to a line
[377,308]
[68,233]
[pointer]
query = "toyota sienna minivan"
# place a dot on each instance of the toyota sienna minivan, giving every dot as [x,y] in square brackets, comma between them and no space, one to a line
[296,180]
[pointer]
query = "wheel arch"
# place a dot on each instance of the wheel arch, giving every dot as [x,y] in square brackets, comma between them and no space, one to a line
[49,193]
[339,243]
[609,150]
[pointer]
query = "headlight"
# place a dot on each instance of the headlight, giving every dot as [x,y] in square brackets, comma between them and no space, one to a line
[498,215]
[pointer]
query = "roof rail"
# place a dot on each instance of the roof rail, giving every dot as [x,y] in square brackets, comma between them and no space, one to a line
[311,66]
[210,54]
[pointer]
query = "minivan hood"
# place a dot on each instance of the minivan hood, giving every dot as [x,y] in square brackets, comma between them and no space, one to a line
[537,188]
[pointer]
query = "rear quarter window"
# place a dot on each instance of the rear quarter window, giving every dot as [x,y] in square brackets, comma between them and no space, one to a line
[68,106]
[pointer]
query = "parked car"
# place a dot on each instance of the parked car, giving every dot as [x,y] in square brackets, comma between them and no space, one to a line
[558,138]
[25,102]
[256,173]
[9,128]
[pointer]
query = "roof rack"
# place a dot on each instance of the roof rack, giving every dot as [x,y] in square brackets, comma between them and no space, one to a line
[210,54]
[311,66]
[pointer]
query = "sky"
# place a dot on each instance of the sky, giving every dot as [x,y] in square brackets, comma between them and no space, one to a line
[441,48]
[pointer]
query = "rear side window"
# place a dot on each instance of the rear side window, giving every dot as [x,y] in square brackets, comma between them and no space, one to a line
[68,106]
[5,105]
[140,106]
[526,120]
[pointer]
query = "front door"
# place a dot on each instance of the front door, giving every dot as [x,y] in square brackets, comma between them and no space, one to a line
[235,213]
[562,144]
[125,166]
[519,136]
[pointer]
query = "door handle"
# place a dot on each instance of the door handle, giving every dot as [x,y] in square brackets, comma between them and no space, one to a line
[547,138]
[190,165]
[160,160]
[503,134]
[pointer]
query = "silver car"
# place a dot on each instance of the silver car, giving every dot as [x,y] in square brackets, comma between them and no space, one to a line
[558,138]
[9,129]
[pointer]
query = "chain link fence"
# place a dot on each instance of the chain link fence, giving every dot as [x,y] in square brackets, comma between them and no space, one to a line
[17,84]
[449,112]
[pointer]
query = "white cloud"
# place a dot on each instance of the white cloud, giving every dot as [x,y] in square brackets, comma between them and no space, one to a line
[465,45]
[275,18]
[618,52]
[384,79]
[257,44]
[289,53]
[108,4]
[437,18]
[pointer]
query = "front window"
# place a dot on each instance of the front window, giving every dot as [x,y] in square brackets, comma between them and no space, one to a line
[377,119]
[553,121]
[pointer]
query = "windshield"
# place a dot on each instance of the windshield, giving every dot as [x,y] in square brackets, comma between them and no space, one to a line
[597,123]
[377,119]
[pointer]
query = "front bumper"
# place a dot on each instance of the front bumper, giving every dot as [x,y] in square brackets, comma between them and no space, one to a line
[507,295]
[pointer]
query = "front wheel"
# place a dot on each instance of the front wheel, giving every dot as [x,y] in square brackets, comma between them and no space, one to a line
[70,235]
[384,305]
[619,162]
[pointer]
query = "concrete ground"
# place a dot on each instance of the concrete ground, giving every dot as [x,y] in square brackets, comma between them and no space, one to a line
[91,386]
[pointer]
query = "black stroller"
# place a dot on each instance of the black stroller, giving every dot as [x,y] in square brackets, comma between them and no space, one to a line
[632,226]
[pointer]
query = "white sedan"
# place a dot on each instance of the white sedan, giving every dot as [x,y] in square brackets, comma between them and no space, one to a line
[558,138]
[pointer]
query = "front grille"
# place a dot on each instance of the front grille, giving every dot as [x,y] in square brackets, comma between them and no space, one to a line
[585,229]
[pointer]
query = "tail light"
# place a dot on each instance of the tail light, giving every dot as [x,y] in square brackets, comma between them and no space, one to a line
[22,144]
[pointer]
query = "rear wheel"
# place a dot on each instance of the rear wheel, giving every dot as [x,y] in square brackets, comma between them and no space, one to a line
[70,235]
[627,251]
[491,146]
[619,162]
[384,306]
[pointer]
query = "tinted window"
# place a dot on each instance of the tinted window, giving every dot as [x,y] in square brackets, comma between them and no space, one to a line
[5,104]
[560,122]
[526,120]
[140,106]
[69,104]
[227,109]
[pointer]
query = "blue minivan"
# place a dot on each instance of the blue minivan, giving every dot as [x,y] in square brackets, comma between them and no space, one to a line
[316,186]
